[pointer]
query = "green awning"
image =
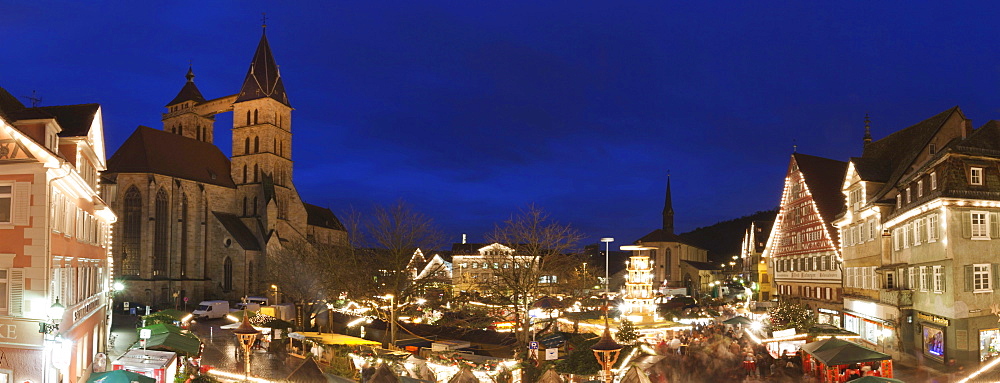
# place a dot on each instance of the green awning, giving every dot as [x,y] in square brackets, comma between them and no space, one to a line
[848,354]
[185,344]
[119,376]
[162,328]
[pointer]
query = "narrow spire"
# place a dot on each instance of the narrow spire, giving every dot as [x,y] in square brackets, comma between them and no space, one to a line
[668,209]
[263,79]
[190,73]
[868,130]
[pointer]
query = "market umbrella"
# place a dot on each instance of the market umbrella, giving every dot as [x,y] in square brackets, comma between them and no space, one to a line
[823,345]
[847,354]
[119,376]
[738,320]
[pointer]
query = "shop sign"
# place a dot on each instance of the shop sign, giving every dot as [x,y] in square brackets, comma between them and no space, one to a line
[933,319]
[15,331]
[828,311]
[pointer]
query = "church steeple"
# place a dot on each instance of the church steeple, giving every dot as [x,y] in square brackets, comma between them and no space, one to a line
[189,92]
[668,210]
[263,79]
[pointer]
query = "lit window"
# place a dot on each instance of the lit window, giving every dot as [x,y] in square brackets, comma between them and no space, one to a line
[981,277]
[938,279]
[6,203]
[980,225]
[923,278]
[899,201]
[933,180]
[920,188]
[976,176]
[909,195]
[932,228]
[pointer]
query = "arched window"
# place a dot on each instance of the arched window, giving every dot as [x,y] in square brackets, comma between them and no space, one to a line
[250,281]
[197,132]
[256,144]
[184,234]
[227,275]
[244,206]
[255,116]
[244,173]
[256,173]
[180,129]
[254,206]
[248,117]
[132,233]
[246,146]
[274,145]
[160,233]
[281,148]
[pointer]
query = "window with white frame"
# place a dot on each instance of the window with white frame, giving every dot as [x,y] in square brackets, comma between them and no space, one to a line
[890,279]
[855,199]
[980,225]
[848,273]
[897,239]
[918,231]
[874,278]
[911,278]
[907,234]
[938,279]
[976,176]
[923,278]
[982,277]
[932,227]
[920,188]
[865,278]
[871,229]
[899,201]
[933,180]
[6,203]
[909,195]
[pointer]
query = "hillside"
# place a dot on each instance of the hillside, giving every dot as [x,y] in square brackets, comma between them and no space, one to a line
[722,240]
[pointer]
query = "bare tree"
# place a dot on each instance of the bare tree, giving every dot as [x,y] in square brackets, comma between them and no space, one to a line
[301,269]
[542,248]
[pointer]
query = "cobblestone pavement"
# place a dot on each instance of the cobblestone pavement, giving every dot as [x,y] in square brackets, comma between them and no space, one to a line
[220,347]
[222,352]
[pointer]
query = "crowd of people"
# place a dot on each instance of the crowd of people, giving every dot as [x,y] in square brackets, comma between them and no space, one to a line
[717,353]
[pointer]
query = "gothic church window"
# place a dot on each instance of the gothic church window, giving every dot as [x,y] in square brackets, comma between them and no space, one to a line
[246,146]
[227,275]
[184,234]
[256,144]
[244,173]
[132,233]
[255,116]
[160,234]
[248,117]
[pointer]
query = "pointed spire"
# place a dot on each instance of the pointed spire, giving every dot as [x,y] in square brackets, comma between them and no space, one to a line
[868,130]
[189,92]
[263,78]
[668,209]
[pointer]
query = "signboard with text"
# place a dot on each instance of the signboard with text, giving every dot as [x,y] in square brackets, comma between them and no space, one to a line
[21,332]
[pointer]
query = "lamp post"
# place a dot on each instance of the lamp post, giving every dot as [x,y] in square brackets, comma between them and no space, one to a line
[607,261]
[275,288]
[392,320]
[49,329]
[246,333]
[606,350]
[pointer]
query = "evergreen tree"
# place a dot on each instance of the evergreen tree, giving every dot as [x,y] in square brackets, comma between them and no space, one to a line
[626,332]
[789,315]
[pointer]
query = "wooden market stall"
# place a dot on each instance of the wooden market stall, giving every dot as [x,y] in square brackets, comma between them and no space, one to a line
[837,360]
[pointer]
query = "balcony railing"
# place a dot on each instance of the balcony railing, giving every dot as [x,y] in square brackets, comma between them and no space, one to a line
[897,298]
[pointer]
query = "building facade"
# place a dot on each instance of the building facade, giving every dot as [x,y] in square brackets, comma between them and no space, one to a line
[55,232]
[667,250]
[754,267]
[803,246]
[197,224]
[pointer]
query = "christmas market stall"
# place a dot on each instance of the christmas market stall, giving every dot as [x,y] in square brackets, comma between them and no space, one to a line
[837,360]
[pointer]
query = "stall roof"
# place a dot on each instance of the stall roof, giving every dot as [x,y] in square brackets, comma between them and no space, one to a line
[848,354]
[188,345]
[327,338]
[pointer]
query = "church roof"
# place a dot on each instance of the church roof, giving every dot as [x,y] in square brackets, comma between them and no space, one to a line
[149,150]
[702,265]
[240,232]
[263,79]
[662,235]
[75,120]
[322,217]
[189,92]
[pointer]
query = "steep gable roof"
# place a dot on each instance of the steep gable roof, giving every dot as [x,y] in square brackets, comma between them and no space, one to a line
[240,232]
[8,103]
[322,217]
[75,120]
[263,79]
[149,150]
[982,141]
[824,178]
[662,235]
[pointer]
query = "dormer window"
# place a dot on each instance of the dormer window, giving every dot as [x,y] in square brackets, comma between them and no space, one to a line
[920,188]
[899,201]
[909,195]
[932,149]
[976,176]
[933,180]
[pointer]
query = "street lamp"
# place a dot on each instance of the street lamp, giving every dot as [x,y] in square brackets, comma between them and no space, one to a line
[275,288]
[607,260]
[392,319]
[246,334]
[54,314]
[606,350]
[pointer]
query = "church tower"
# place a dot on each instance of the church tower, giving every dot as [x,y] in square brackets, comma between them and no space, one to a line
[668,211]
[262,143]
[184,115]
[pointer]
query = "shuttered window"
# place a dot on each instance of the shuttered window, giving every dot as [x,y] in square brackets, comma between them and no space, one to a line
[15,286]
[932,228]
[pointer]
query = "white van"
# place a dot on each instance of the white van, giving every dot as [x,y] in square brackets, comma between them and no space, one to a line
[211,309]
[251,304]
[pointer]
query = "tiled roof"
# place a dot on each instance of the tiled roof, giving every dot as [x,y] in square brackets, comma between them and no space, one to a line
[240,232]
[263,79]
[322,217]
[870,169]
[8,103]
[75,120]
[661,235]
[898,150]
[982,141]
[149,150]
[824,177]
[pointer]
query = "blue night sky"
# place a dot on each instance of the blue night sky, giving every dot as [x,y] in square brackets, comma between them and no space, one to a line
[470,110]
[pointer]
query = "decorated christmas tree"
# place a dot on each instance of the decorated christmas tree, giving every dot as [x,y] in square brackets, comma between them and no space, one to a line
[789,315]
[626,332]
